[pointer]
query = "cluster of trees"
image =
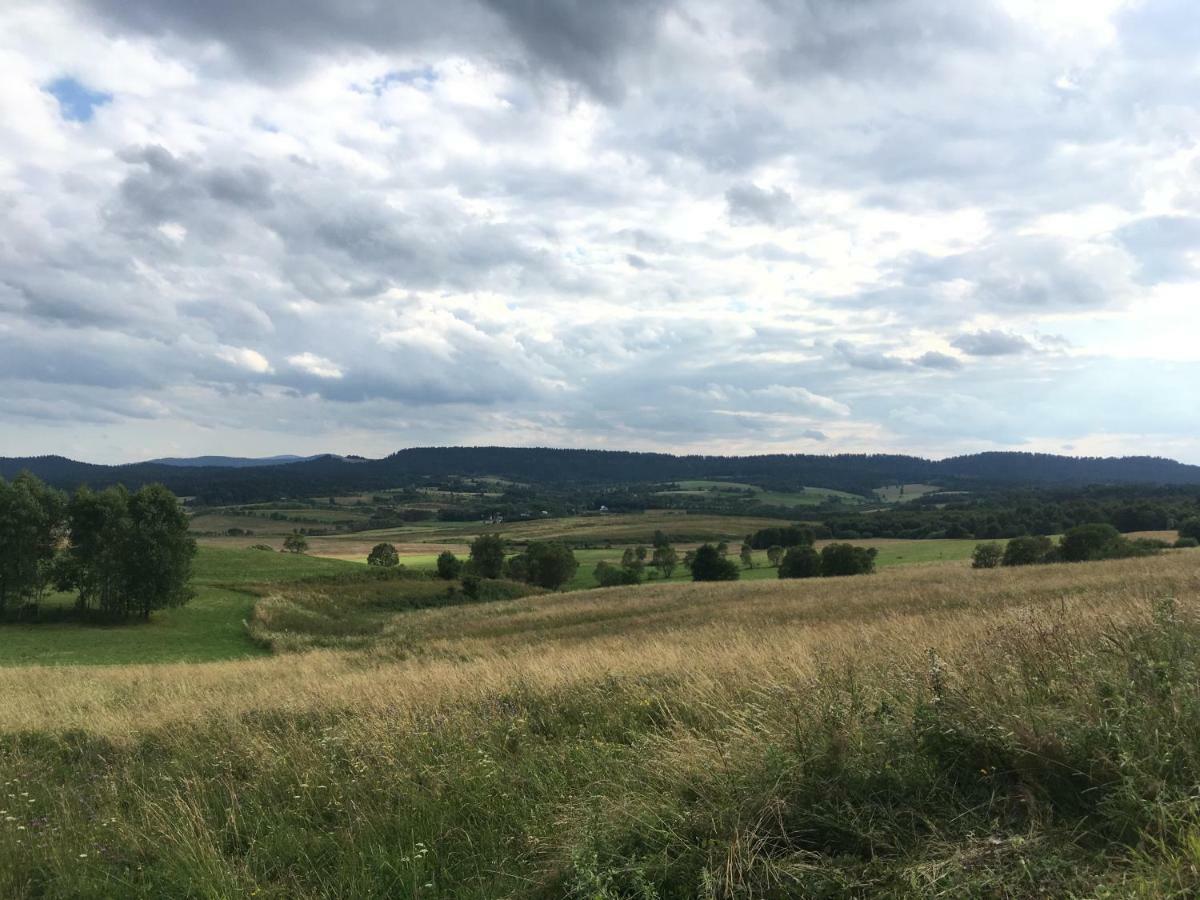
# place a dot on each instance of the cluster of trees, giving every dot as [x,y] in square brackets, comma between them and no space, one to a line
[1083,543]
[124,554]
[805,561]
[635,561]
[546,564]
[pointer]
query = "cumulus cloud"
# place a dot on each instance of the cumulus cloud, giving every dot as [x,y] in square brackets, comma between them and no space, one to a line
[676,224]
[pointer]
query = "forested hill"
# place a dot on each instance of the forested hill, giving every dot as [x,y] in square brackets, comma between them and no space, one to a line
[851,472]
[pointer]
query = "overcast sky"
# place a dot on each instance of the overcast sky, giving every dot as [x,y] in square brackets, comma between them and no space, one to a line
[931,226]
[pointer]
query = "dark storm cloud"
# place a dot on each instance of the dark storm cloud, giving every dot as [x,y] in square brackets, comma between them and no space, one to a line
[578,40]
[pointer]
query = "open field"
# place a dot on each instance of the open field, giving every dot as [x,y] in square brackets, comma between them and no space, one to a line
[430,538]
[810,496]
[927,731]
[209,628]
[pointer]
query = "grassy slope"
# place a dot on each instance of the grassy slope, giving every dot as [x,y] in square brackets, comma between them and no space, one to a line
[208,628]
[928,731]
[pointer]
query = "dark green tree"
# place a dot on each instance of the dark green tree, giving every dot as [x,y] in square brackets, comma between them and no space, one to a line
[710,565]
[551,564]
[846,559]
[801,561]
[1092,541]
[487,556]
[1027,550]
[449,566]
[31,527]
[774,554]
[158,564]
[384,556]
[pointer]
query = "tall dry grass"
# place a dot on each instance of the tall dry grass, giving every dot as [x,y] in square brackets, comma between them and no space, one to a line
[927,731]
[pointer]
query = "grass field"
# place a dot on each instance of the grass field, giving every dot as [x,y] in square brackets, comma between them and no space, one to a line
[929,731]
[208,628]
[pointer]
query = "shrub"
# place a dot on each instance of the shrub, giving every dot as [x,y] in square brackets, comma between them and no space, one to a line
[266,547]
[1027,550]
[800,562]
[1185,543]
[449,566]
[1190,528]
[987,556]
[846,559]
[608,575]
[787,536]
[710,565]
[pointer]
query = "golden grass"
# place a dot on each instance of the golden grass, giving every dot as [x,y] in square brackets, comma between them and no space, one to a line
[704,637]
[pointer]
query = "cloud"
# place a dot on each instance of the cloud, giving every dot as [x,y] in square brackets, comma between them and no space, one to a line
[676,224]
[750,204]
[315,365]
[991,343]
[931,359]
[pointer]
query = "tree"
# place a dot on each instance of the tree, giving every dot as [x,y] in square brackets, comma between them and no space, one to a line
[846,559]
[746,554]
[129,553]
[551,564]
[449,566]
[159,551]
[802,561]
[1190,528]
[640,552]
[660,539]
[710,565]
[295,543]
[31,526]
[487,556]
[383,555]
[1088,542]
[774,554]
[723,548]
[987,556]
[665,559]
[1027,550]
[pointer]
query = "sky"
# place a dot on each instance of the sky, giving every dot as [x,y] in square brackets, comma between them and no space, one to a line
[814,226]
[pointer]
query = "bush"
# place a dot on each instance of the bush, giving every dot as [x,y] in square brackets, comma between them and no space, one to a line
[1027,550]
[710,565]
[449,566]
[383,555]
[265,547]
[1088,542]
[1185,543]
[987,556]
[608,575]
[846,559]
[800,562]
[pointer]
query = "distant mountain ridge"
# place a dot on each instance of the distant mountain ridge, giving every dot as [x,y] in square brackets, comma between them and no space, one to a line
[852,472]
[230,462]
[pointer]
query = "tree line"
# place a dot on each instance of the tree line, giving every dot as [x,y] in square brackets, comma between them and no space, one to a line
[123,554]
